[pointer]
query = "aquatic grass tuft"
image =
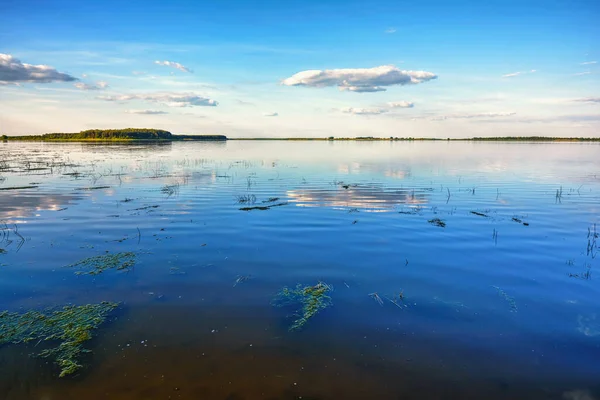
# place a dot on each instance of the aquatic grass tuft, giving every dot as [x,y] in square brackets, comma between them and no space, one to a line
[98,264]
[70,326]
[312,300]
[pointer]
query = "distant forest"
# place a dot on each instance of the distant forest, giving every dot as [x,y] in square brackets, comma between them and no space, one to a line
[129,134]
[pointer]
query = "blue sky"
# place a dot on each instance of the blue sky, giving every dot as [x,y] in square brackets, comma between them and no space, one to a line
[387,68]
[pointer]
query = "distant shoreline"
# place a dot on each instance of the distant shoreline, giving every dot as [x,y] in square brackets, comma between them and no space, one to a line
[129,135]
[202,139]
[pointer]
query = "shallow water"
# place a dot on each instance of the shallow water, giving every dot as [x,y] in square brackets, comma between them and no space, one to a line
[501,303]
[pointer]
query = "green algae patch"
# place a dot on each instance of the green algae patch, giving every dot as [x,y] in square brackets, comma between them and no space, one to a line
[98,264]
[68,328]
[310,300]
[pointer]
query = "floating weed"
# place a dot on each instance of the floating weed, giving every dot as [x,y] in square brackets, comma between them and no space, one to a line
[479,213]
[98,264]
[70,327]
[241,279]
[18,187]
[246,199]
[312,299]
[263,208]
[376,297]
[271,200]
[2,251]
[398,300]
[94,188]
[411,211]
[437,222]
[170,190]
[176,271]
[505,296]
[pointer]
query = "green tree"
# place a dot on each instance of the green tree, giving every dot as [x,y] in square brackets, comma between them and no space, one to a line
[4,138]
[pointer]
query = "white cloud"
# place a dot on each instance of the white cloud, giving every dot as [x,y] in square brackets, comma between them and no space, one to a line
[589,63]
[590,100]
[363,111]
[582,73]
[390,30]
[359,79]
[174,65]
[401,104]
[84,75]
[473,116]
[138,73]
[12,70]
[146,112]
[271,114]
[98,86]
[168,99]
[519,73]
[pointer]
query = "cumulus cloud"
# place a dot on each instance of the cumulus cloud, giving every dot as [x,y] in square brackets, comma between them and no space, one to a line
[401,104]
[12,70]
[271,114]
[146,112]
[359,79]
[589,63]
[98,86]
[473,116]
[168,99]
[512,75]
[590,100]
[390,30]
[174,65]
[363,111]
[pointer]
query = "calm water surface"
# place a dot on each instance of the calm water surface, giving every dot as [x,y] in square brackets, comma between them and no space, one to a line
[501,303]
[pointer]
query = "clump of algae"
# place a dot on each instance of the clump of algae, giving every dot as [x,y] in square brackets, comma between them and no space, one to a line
[69,327]
[98,264]
[311,299]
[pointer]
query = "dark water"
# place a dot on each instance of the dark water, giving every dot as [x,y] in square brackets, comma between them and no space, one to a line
[504,305]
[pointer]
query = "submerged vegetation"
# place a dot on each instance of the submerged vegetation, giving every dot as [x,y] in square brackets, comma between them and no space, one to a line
[510,300]
[68,327]
[98,264]
[310,299]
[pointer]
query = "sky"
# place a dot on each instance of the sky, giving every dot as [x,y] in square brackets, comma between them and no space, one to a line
[437,68]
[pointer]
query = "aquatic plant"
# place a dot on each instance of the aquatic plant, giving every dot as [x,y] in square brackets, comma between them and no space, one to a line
[98,264]
[312,299]
[437,222]
[70,327]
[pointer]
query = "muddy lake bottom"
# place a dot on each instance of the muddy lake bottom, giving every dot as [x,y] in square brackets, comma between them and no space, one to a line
[458,270]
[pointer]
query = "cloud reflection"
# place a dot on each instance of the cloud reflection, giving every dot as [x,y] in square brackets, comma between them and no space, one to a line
[373,198]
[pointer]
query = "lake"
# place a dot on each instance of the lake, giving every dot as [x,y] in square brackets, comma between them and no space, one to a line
[456,270]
